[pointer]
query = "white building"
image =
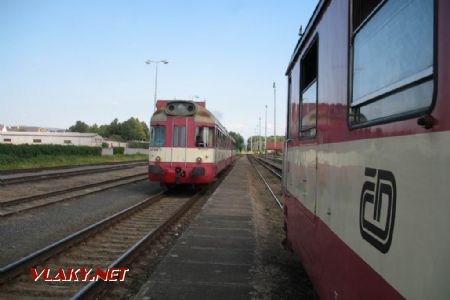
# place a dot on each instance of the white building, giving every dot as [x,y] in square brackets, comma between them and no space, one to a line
[57,138]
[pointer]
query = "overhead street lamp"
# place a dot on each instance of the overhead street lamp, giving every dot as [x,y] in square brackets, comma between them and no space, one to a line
[156,62]
[275,118]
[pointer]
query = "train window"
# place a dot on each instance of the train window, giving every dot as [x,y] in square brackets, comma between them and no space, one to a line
[179,136]
[7,140]
[288,129]
[37,141]
[362,9]
[295,101]
[67,142]
[157,135]
[392,60]
[308,118]
[210,137]
[204,136]
[175,136]
[182,136]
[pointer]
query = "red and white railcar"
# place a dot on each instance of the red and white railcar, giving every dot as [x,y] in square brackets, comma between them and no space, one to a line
[367,155]
[188,145]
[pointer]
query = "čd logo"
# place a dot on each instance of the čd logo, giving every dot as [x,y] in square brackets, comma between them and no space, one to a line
[377,208]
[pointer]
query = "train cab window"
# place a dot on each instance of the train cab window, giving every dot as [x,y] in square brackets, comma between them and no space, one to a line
[392,64]
[204,136]
[308,88]
[157,135]
[179,136]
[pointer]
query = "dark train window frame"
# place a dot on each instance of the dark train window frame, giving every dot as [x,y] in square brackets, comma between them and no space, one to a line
[407,114]
[311,131]
[154,129]
[289,118]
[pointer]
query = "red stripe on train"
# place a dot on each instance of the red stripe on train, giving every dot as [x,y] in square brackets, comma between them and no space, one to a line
[335,269]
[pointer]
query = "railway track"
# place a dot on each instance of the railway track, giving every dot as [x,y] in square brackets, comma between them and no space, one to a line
[273,166]
[20,176]
[21,204]
[270,176]
[113,242]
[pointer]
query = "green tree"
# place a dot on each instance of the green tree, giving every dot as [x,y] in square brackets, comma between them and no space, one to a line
[239,140]
[94,128]
[114,128]
[132,129]
[146,130]
[79,127]
[103,130]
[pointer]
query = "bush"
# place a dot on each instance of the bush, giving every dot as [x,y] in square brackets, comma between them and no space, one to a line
[118,150]
[7,159]
[26,150]
[105,145]
[140,145]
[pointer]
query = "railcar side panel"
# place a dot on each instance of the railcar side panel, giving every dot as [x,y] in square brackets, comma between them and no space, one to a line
[367,208]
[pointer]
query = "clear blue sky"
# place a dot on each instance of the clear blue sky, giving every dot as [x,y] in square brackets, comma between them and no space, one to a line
[68,60]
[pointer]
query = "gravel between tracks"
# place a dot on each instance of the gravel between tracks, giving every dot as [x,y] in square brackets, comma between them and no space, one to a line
[278,273]
[18,190]
[29,231]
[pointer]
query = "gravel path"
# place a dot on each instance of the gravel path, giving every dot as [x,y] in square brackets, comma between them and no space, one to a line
[278,273]
[26,232]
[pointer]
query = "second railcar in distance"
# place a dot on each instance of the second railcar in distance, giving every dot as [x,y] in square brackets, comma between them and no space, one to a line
[188,145]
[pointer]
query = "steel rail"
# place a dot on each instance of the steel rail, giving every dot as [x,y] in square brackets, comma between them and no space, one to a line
[38,177]
[65,191]
[14,209]
[93,288]
[269,188]
[15,268]
[265,165]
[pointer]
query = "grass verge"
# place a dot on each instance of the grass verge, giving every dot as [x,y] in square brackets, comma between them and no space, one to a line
[45,161]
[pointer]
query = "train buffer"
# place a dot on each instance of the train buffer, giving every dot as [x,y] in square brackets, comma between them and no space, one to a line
[214,256]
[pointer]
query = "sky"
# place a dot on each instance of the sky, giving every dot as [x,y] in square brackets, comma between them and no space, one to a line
[68,60]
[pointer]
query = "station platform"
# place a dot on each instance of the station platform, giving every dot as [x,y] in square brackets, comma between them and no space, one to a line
[214,257]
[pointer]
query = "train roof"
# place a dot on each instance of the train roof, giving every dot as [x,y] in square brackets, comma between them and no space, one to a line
[305,35]
[200,113]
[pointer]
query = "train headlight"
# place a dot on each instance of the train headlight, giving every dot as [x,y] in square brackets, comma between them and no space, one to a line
[158,159]
[198,160]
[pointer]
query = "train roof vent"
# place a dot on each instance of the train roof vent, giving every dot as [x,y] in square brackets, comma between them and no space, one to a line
[180,108]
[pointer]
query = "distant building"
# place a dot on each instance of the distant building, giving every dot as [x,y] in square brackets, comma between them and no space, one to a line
[27,129]
[114,143]
[3,128]
[56,138]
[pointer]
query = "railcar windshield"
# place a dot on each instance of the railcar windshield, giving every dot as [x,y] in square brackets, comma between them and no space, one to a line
[157,135]
[204,137]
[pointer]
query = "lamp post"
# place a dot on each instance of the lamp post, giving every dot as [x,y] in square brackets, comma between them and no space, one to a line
[156,62]
[265,134]
[274,118]
[260,140]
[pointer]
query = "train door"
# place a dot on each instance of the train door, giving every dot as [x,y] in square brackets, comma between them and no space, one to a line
[290,168]
[308,126]
[179,138]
